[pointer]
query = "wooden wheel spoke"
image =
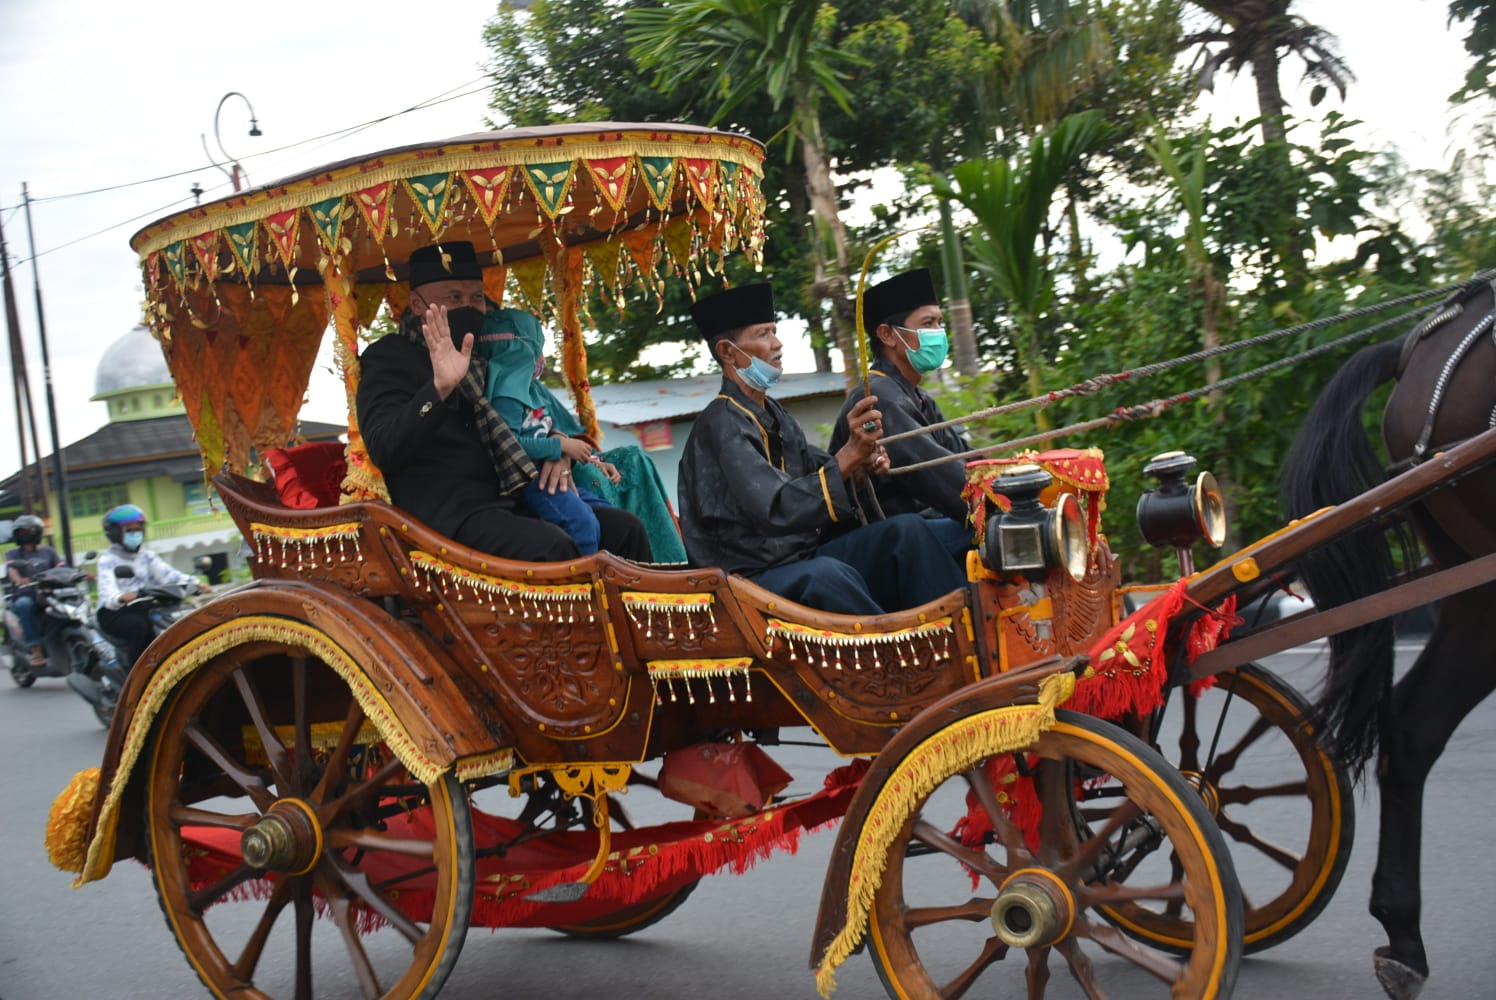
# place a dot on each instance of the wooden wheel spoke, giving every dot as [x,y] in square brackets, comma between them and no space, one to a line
[1125,892]
[192,816]
[1226,762]
[1081,968]
[338,759]
[1086,855]
[1175,907]
[343,916]
[248,781]
[249,956]
[1189,733]
[275,750]
[1242,834]
[1037,972]
[975,909]
[205,897]
[358,883]
[304,765]
[1057,800]
[360,793]
[1244,794]
[946,844]
[370,839]
[992,951]
[1158,965]
[1007,831]
[304,917]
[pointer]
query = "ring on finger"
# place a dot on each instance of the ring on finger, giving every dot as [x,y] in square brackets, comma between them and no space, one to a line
[870,426]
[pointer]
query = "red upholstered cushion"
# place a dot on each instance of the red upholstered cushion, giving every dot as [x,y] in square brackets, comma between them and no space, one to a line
[309,475]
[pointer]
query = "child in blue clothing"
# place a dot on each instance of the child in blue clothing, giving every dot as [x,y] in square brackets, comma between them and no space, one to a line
[512,342]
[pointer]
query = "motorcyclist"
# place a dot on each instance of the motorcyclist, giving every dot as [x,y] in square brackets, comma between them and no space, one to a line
[22,565]
[124,526]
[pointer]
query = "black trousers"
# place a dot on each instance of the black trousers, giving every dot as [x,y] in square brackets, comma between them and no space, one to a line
[501,531]
[132,627]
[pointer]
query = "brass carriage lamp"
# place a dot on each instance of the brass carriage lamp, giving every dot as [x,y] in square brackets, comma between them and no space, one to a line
[1178,515]
[1030,536]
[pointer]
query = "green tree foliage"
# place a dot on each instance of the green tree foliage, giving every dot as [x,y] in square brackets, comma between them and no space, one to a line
[1480,44]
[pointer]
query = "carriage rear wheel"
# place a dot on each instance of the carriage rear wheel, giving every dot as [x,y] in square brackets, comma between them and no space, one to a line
[933,936]
[343,832]
[1281,801]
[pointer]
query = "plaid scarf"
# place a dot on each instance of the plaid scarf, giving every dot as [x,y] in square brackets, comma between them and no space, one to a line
[514,468]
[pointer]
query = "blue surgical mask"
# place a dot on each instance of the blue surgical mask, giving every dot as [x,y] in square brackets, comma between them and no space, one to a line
[934,345]
[134,539]
[759,374]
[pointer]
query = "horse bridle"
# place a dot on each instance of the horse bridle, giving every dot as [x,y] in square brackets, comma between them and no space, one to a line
[1453,307]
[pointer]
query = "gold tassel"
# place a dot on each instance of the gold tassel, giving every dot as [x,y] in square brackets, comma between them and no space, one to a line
[67,823]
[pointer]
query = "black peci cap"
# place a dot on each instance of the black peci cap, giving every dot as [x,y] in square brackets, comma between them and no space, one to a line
[461,263]
[734,309]
[903,293]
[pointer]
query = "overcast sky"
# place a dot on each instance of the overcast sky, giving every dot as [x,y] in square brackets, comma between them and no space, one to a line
[106,93]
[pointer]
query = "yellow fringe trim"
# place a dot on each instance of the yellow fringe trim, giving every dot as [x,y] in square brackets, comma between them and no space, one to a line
[698,668]
[949,750]
[482,765]
[666,602]
[794,630]
[347,530]
[67,823]
[496,584]
[203,649]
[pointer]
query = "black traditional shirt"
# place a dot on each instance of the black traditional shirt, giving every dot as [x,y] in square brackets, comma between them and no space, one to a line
[905,407]
[753,493]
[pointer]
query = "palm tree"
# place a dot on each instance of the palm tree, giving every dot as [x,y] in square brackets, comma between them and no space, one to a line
[1011,200]
[1052,50]
[1258,34]
[781,48]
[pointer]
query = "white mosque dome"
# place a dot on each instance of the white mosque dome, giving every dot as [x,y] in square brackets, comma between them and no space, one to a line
[134,361]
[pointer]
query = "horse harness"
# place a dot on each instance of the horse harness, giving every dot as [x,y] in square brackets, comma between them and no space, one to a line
[1452,308]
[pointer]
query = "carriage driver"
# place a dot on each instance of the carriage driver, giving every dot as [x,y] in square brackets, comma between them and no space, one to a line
[902,321]
[448,458]
[757,499]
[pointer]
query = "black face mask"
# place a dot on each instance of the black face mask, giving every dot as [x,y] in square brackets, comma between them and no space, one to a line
[463,321]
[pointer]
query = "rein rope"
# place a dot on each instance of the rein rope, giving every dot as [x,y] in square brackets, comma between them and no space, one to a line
[1155,407]
[1096,383]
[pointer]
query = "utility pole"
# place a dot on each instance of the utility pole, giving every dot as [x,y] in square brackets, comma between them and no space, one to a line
[21,383]
[59,467]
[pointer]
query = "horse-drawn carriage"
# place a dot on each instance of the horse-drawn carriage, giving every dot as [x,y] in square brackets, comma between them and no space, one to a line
[310,745]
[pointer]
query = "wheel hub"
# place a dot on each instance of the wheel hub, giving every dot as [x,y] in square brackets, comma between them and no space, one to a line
[1033,909]
[288,839]
[1206,789]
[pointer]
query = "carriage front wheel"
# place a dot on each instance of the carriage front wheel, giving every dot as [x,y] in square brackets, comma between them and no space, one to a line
[951,920]
[237,810]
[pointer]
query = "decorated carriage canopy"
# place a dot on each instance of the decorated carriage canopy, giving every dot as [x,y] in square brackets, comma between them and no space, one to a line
[240,291]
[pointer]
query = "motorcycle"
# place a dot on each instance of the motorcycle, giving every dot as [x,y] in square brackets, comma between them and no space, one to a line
[71,643]
[164,603]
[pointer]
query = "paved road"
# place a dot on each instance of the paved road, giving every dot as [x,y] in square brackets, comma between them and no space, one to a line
[743,938]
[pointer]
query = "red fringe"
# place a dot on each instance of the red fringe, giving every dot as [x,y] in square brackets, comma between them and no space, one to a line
[646,863]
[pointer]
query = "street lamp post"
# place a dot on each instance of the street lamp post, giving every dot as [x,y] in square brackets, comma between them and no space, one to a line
[235,173]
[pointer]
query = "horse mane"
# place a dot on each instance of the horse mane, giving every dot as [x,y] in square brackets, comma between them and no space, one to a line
[1333,460]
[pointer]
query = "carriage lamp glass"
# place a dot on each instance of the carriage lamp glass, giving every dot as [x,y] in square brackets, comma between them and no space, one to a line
[1031,537]
[1176,514]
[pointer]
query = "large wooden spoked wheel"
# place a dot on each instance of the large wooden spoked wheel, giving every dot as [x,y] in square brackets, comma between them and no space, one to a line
[1281,801]
[334,833]
[1032,912]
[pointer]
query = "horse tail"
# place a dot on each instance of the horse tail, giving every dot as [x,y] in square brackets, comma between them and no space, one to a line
[1333,460]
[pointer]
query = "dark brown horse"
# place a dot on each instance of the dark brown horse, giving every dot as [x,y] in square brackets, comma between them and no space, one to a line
[1445,393]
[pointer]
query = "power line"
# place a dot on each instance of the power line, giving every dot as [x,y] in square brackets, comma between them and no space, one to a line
[432,102]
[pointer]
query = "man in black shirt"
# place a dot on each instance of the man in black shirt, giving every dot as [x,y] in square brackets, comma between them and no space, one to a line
[448,459]
[757,499]
[902,321]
